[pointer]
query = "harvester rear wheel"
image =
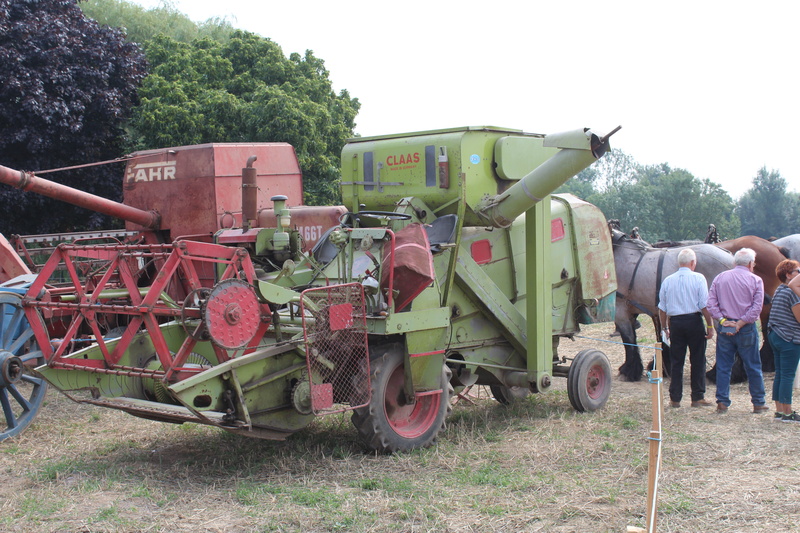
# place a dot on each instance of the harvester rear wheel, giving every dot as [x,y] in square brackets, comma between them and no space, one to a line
[21,393]
[589,380]
[508,395]
[388,423]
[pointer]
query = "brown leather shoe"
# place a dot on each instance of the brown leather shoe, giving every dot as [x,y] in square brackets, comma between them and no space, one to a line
[722,408]
[760,408]
[702,403]
[675,404]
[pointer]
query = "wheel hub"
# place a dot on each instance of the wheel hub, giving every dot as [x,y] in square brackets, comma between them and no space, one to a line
[11,368]
[232,314]
[595,382]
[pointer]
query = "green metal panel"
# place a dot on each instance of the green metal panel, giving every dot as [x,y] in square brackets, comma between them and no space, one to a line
[539,296]
[594,254]
[424,319]
[261,381]
[499,310]
[517,156]
[379,171]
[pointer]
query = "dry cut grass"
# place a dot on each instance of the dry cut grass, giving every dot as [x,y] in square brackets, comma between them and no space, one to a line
[535,466]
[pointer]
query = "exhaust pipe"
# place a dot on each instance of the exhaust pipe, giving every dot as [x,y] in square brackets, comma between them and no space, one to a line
[249,193]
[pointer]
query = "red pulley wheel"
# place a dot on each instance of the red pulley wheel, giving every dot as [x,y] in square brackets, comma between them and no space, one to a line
[232,314]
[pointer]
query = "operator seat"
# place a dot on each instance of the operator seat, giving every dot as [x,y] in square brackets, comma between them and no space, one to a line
[441,231]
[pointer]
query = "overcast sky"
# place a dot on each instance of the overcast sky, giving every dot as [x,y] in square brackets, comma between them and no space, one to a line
[708,86]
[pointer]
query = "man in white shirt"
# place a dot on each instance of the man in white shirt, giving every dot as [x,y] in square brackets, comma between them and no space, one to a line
[687,324]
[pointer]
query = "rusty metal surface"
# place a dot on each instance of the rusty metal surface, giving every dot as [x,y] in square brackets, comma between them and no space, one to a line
[232,314]
[198,189]
[11,265]
[310,221]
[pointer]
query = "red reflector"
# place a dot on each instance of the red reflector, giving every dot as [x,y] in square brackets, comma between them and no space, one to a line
[322,396]
[556,230]
[481,251]
[341,316]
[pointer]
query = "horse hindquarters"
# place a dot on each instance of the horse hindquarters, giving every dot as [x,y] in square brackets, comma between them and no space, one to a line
[738,374]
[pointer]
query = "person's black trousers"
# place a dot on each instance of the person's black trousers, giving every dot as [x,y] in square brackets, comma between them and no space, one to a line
[687,331]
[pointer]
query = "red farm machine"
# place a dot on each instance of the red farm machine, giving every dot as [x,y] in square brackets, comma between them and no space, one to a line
[443,270]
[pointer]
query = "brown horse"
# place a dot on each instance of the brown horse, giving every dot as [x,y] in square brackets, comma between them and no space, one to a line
[767,258]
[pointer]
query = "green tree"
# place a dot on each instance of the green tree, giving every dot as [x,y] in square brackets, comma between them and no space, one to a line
[665,204]
[632,203]
[584,185]
[246,90]
[688,205]
[68,86]
[142,24]
[766,209]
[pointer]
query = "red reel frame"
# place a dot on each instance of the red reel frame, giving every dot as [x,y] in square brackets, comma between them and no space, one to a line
[182,267]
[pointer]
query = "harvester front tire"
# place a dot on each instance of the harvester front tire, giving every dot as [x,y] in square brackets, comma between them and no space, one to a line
[387,424]
[589,380]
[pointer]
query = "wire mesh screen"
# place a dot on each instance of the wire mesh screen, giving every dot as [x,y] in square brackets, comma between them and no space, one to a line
[335,327]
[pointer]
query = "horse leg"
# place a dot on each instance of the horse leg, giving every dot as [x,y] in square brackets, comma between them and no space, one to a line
[632,368]
[767,357]
[738,374]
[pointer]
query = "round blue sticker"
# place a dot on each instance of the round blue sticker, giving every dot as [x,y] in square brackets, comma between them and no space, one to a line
[474,159]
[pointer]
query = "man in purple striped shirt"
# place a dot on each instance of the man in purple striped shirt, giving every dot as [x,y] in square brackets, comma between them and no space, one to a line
[735,299]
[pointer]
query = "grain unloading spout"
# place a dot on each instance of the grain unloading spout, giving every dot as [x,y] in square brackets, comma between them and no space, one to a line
[27,181]
[577,150]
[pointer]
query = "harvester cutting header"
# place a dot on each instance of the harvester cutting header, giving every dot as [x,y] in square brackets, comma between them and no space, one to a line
[217,305]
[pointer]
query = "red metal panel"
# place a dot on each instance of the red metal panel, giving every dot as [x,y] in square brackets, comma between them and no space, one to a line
[412,266]
[310,221]
[556,230]
[341,316]
[11,265]
[197,189]
[481,251]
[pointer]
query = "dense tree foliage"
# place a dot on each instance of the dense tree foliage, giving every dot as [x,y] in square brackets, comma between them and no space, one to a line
[69,97]
[209,83]
[767,210]
[246,90]
[142,24]
[664,203]
[68,84]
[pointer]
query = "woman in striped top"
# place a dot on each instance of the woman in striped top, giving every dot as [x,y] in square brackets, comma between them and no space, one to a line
[784,337]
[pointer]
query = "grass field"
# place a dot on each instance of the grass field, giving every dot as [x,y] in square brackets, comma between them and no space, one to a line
[534,466]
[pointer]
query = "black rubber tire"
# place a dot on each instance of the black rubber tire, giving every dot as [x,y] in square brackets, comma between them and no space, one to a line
[589,380]
[387,426]
[508,395]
